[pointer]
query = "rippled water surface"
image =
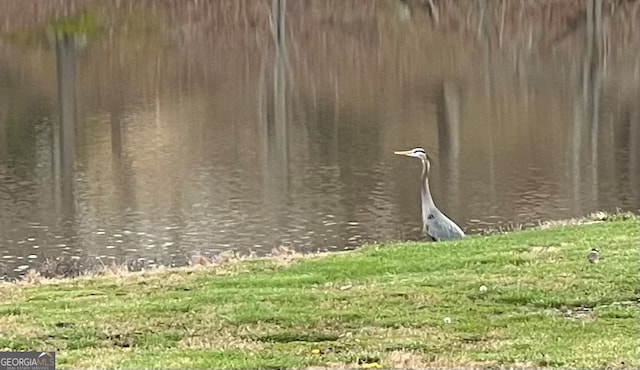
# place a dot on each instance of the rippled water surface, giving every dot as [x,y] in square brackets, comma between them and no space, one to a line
[150,130]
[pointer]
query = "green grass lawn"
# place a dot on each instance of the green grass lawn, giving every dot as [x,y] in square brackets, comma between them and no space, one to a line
[396,305]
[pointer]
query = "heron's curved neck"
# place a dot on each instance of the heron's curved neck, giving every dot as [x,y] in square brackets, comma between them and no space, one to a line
[427,200]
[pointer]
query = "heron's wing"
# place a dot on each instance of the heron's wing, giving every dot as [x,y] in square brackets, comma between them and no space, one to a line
[440,227]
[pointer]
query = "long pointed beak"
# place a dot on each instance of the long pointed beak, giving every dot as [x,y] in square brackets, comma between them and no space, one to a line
[403,152]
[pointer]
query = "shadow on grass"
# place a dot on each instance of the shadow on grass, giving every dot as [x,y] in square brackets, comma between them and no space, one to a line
[297,337]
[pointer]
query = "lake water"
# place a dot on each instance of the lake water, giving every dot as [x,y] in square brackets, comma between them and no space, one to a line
[149,130]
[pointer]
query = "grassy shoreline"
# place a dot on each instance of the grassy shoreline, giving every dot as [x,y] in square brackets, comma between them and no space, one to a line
[396,305]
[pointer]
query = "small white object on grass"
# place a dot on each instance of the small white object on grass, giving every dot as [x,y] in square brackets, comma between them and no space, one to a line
[483,289]
[447,320]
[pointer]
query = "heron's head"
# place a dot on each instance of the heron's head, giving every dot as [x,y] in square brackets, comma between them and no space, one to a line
[419,153]
[415,152]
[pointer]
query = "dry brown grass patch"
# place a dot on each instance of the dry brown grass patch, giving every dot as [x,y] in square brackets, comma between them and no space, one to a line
[33,277]
[405,360]
[18,325]
[114,269]
[99,358]
[592,218]
[258,329]
[402,359]
[542,254]
[11,292]
[220,341]
[284,256]
[199,260]
[120,329]
[428,334]
[537,251]
[489,344]
[225,263]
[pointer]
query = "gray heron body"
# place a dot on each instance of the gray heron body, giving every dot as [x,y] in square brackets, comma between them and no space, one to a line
[435,223]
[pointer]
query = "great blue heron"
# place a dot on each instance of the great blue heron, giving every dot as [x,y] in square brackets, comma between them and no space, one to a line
[435,224]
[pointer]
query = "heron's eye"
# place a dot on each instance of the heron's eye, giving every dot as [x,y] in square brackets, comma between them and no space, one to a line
[419,151]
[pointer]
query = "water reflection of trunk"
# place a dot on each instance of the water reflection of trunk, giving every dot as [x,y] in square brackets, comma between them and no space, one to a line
[634,151]
[595,58]
[490,78]
[3,132]
[116,111]
[121,167]
[272,119]
[65,133]
[622,155]
[449,107]
[586,127]
[576,153]
[279,126]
